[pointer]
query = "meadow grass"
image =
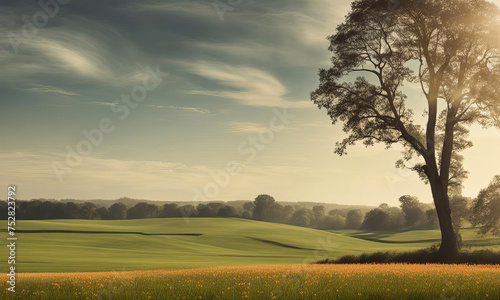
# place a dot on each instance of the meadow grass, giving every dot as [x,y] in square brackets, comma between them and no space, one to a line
[223,242]
[230,259]
[386,281]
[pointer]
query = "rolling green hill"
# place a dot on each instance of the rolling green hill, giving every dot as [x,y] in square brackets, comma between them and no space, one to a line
[177,243]
[423,238]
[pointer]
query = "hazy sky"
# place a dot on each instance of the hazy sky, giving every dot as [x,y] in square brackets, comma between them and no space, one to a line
[231,71]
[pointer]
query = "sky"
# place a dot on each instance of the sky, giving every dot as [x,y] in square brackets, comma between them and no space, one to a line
[187,100]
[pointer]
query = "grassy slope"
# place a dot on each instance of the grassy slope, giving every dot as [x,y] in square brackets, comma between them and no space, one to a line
[423,238]
[223,242]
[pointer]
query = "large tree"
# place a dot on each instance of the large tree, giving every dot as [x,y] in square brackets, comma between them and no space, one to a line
[451,50]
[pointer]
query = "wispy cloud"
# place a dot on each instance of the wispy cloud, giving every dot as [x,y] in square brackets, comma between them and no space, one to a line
[245,127]
[192,7]
[182,108]
[247,85]
[78,54]
[102,103]
[87,57]
[51,89]
[72,58]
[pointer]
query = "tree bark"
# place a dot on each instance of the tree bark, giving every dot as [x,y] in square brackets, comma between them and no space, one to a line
[439,176]
[449,246]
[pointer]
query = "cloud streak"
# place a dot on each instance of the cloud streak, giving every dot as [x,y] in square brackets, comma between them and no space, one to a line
[182,108]
[51,89]
[245,127]
[247,85]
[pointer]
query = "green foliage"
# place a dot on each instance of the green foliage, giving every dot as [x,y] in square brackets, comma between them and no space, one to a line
[301,217]
[263,205]
[486,211]
[143,210]
[354,219]
[414,211]
[334,222]
[227,212]
[421,256]
[432,217]
[117,211]
[384,218]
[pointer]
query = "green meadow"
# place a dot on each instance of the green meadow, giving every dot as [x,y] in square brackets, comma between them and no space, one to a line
[178,243]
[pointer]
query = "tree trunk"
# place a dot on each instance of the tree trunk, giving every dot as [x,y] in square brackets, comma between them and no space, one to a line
[449,246]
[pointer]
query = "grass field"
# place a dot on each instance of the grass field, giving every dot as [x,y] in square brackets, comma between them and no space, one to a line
[168,244]
[270,282]
[220,258]
[424,237]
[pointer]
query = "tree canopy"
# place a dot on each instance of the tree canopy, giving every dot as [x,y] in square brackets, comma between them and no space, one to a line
[486,210]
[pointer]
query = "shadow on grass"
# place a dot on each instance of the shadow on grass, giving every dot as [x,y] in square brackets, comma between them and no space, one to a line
[103,232]
[278,244]
[394,242]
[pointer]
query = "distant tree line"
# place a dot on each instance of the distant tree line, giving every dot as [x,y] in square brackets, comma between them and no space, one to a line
[483,211]
[264,208]
[411,213]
